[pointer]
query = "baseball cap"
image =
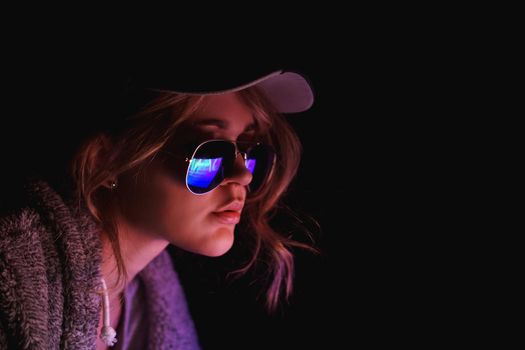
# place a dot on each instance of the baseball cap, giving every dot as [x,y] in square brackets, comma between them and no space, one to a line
[288,91]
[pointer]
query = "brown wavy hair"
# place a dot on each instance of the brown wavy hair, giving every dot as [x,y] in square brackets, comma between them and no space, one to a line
[106,155]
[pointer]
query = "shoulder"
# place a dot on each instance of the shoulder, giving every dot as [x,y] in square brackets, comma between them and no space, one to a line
[28,210]
[20,224]
[22,235]
[18,220]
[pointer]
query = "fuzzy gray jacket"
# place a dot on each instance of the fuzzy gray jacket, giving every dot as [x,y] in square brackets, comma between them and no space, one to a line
[50,255]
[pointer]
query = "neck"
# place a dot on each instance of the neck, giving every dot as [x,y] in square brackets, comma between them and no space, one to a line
[138,249]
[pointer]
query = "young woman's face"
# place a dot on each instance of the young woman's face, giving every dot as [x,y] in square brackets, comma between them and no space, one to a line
[163,206]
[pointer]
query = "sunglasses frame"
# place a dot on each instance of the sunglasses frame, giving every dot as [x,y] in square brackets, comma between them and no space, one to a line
[237,152]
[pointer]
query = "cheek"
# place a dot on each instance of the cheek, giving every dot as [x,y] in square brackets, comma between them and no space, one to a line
[189,224]
[173,213]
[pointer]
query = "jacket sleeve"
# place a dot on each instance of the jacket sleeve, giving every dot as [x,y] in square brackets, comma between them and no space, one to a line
[3,335]
[3,319]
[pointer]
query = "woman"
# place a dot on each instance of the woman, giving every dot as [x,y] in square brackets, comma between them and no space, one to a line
[183,167]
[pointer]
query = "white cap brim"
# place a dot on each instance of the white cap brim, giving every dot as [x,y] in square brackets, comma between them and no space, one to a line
[289,92]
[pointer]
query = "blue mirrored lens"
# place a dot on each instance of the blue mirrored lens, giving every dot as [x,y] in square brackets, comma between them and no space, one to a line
[250,165]
[202,171]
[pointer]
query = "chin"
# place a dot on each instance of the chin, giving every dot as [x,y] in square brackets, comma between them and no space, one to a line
[218,244]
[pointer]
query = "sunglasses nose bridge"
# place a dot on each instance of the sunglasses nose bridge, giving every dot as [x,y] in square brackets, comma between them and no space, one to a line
[236,162]
[243,154]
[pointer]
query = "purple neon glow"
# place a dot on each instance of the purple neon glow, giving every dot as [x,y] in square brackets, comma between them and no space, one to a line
[202,171]
[250,165]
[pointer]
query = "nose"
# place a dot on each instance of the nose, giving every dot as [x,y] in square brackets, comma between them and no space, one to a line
[239,174]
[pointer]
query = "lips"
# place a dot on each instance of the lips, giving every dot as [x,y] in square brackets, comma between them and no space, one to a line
[232,206]
[228,217]
[229,214]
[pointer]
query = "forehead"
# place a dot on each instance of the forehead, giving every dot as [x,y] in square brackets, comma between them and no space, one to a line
[226,108]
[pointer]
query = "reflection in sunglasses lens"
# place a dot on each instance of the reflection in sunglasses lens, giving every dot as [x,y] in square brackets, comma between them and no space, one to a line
[202,171]
[250,165]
